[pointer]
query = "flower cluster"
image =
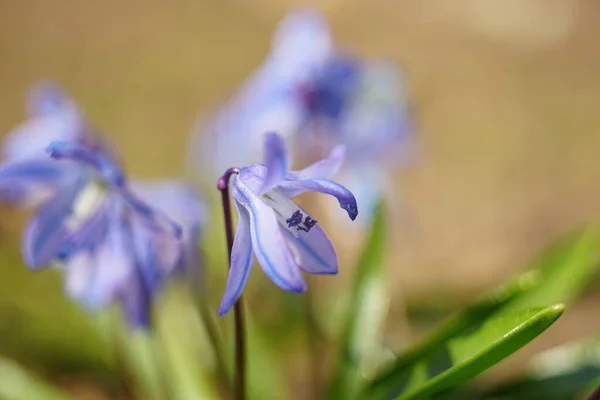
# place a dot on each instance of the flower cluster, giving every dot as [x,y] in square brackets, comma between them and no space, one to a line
[320,97]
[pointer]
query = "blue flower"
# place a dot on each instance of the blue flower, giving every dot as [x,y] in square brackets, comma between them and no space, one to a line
[284,238]
[113,245]
[91,221]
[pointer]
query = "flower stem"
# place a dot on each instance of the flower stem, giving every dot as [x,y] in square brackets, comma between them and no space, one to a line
[238,310]
[595,395]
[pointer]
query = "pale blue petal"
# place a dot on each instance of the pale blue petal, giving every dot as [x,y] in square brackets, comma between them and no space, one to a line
[301,45]
[30,139]
[312,250]
[47,233]
[136,304]
[115,268]
[175,198]
[26,183]
[323,169]
[277,161]
[268,244]
[94,157]
[241,261]
[45,98]
[345,197]
[153,218]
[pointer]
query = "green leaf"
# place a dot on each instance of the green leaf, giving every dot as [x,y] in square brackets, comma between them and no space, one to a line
[556,374]
[462,321]
[16,383]
[186,356]
[565,267]
[361,332]
[469,355]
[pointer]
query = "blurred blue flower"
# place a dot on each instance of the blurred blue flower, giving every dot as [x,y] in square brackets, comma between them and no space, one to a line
[113,245]
[284,238]
[91,222]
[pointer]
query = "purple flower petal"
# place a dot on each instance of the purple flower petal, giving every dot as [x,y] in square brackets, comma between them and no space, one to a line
[115,268]
[47,98]
[30,139]
[312,250]
[153,218]
[47,233]
[267,241]
[174,198]
[96,158]
[323,169]
[301,44]
[277,161]
[345,197]
[30,182]
[241,262]
[79,271]
[136,304]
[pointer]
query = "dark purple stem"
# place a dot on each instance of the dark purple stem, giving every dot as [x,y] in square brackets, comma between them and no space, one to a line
[595,395]
[239,389]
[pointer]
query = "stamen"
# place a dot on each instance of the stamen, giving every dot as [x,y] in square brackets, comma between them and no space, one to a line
[295,219]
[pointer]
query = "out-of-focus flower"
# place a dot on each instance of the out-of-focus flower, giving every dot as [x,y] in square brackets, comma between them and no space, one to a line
[99,228]
[114,246]
[284,238]
[270,99]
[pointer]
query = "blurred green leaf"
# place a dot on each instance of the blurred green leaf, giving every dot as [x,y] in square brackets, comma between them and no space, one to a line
[16,383]
[361,332]
[565,267]
[185,354]
[470,355]
[464,320]
[266,377]
[559,373]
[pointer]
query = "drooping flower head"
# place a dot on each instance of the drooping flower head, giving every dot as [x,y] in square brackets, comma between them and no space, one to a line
[114,246]
[284,238]
[117,241]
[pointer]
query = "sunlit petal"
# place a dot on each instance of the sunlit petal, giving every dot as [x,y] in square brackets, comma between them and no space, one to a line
[241,261]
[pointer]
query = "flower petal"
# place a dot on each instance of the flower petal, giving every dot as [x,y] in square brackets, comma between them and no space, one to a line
[241,261]
[302,43]
[324,169]
[29,182]
[136,304]
[277,161]
[345,197]
[30,139]
[312,250]
[267,241]
[45,98]
[96,158]
[47,233]
[115,268]
[153,218]
[174,198]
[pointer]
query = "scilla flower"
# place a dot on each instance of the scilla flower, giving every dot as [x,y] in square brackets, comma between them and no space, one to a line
[284,238]
[113,245]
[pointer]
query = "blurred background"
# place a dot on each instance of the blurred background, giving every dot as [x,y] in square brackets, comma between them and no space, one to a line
[505,96]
